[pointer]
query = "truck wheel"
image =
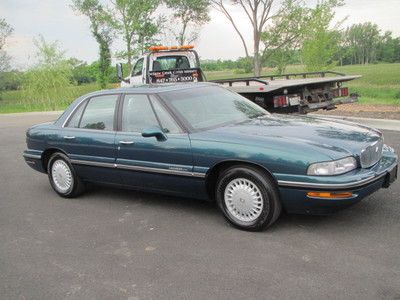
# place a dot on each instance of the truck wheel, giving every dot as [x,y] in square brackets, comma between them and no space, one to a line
[62,176]
[248,198]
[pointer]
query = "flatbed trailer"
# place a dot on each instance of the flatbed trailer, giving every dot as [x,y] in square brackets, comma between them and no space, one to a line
[295,92]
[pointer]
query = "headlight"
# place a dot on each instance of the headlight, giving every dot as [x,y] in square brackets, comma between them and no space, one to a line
[333,167]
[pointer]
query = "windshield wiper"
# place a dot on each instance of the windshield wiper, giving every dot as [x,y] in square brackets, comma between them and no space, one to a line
[255,116]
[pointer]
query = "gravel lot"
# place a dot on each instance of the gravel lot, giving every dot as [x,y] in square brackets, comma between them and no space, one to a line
[119,244]
[388,112]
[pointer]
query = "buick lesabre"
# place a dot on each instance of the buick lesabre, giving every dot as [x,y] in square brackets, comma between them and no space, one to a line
[203,141]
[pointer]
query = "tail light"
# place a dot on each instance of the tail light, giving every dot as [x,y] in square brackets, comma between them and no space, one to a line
[344,92]
[280,101]
[340,92]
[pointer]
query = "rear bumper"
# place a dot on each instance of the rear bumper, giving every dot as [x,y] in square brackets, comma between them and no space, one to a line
[329,104]
[295,199]
[33,158]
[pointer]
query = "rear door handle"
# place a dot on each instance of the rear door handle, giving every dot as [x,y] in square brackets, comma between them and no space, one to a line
[126,142]
[69,137]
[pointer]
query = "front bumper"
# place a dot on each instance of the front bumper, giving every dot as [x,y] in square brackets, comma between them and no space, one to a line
[361,183]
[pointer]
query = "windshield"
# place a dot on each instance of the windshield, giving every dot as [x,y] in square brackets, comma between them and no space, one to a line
[210,107]
[164,63]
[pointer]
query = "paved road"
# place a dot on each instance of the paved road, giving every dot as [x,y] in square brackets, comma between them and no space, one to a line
[113,244]
[392,125]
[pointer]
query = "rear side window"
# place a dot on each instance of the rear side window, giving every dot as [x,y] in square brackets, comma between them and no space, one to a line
[99,113]
[76,117]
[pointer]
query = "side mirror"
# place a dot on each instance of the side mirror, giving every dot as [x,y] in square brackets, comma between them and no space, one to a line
[154,132]
[120,73]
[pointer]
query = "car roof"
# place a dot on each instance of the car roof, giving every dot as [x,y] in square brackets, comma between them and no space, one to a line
[154,88]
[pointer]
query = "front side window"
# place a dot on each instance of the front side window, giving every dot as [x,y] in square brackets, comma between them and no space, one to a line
[137,113]
[137,69]
[167,121]
[99,113]
[208,107]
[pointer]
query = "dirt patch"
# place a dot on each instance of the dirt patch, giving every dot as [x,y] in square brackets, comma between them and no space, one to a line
[365,111]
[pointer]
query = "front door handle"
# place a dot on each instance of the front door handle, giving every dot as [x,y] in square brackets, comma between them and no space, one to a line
[69,137]
[126,142]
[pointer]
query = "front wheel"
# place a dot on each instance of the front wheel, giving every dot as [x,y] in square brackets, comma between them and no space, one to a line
[62,176]
[248,198]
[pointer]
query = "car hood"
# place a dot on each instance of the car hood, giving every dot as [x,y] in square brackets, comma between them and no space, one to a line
[333,138]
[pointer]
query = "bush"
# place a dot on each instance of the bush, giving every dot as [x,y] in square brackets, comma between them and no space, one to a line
[10,81]
[47,85]
[83,73]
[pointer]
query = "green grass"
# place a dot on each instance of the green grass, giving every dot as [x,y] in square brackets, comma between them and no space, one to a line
[13,101]
[380,84]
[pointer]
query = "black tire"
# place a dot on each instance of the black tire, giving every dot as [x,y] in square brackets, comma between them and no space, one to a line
[76,187]
[271,205]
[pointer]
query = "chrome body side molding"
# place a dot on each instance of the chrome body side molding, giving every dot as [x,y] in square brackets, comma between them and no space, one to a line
[139,168]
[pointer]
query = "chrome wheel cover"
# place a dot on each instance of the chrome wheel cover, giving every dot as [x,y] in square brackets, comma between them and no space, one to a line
[62,176]
[243,199]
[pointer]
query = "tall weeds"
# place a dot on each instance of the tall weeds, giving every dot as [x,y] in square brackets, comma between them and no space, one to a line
[47,85]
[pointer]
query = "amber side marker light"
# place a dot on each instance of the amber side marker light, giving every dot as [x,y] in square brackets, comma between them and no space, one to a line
[330,195]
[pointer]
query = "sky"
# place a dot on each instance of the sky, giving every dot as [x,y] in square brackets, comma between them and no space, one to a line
[55,20]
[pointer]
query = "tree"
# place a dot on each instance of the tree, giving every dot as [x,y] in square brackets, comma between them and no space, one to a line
[363,41]
[135,21]
[318,53]
[320,44]
[389,48]
[258,13]
[102,32]
[285,34]
[82,72]
[4,61]
[5,32]
[189,12]
[283,31]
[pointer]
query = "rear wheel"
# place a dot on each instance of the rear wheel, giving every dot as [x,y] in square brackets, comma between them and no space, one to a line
[248,198]
[62,176]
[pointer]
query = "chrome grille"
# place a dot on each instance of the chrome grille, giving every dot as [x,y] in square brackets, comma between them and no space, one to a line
[372,154]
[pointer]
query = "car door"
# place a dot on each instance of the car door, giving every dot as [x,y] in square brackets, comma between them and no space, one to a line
[151,163]
[138,71]
[88,138]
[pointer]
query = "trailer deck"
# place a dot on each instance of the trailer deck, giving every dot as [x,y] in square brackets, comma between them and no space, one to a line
[250,85]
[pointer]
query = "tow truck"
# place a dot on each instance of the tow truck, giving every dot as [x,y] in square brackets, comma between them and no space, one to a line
[285,93]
